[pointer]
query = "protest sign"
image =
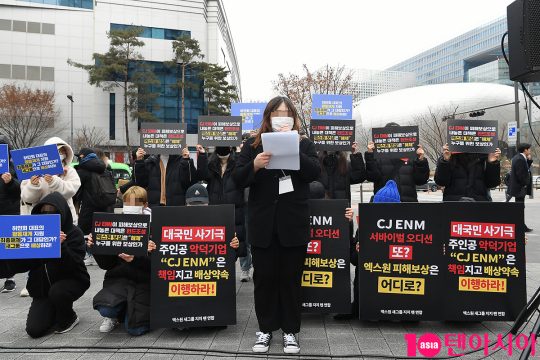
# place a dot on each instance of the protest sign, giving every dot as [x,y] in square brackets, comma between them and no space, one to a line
[331,107]
[29,236]
[395,141]
[4,159]
[472,136]
[332,135]
[251,113]
[163,138]
[40,160]
[114,234]
[193,267]
[400,261]
[326,277]
[485,256]
[220,130]
[442,261]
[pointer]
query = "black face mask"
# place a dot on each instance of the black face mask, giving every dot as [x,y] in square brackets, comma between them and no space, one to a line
[223,151]
[49,213]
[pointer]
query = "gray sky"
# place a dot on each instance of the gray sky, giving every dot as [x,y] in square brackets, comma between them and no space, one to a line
[273,36]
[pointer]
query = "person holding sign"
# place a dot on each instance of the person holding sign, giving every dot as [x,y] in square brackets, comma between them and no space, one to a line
[67,184]
[126,288]
[278,225]
[407,173]
[167,177]
[520,176]
[10,197]
[468,177]
[54,284]
[223,190]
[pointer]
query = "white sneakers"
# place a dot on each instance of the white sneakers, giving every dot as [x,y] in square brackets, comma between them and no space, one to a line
[108,325]
[263,342]
[24,292]
[290,344]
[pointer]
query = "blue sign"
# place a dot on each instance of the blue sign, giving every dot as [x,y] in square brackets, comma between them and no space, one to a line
[29,237]
[331,107]
[4,159]
[40,160]
[251,113]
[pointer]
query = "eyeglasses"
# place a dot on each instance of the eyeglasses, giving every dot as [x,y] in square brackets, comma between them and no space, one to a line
[280,113]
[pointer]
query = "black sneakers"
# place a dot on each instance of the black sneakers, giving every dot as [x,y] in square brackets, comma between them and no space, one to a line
[9,286]
[64,329]
[290,344]
[263,342]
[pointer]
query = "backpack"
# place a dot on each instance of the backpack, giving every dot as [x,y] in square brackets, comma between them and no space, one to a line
[506,179]
[102,190]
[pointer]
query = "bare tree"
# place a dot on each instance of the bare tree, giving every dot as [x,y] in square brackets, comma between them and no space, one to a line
[363,137]
[27,116]
[300,87]
[90,137]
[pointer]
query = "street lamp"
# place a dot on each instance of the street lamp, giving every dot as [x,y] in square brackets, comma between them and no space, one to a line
[70,97]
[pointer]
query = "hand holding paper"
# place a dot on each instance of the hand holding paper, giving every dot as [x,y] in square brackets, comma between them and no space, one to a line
[284,149]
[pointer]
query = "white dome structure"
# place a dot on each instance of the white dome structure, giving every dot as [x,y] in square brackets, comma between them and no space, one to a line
[404,106]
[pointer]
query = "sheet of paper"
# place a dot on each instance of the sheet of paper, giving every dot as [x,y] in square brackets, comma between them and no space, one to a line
[285,149]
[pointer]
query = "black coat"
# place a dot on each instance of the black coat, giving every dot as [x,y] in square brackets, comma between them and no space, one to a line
[335,184]
[520,176]
[407,175]
[467,175]
[223,190]
[181,174]
[290,211]
[45,272]
[86,193]
[10,194]
[126,282]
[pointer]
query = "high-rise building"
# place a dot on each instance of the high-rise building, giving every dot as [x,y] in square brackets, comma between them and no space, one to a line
[368,83]
[475,56]
[37,37]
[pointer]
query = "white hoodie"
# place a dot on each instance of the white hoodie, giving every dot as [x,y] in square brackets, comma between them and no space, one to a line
[66,184]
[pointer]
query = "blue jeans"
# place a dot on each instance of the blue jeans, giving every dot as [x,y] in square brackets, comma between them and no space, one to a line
[245,261]
[114,312]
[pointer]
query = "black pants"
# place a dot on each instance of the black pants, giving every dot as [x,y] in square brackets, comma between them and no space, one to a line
[277,278]
[55,309]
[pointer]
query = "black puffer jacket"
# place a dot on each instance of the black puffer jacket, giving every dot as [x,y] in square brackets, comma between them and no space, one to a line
[45,272]
[126,282]
[86,192]
[10,194]
[336,185]
[467,175]
[181,174]
[406,174]
[223,190]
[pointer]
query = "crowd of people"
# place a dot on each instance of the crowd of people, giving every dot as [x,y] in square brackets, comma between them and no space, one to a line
[271,225]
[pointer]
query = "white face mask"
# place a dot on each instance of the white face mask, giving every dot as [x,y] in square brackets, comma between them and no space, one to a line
[279,121]
[223,157]
[62,157]
[127,209]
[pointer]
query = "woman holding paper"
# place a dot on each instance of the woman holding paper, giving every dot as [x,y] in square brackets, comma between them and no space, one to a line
[278,225]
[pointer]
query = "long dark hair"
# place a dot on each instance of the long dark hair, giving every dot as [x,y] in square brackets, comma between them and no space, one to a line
[266,125]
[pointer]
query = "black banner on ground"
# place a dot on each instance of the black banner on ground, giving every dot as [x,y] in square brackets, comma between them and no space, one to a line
[193,267]
[332,135]
[485,253]
[472,267]
[326,279]
[220,130]
[163,138]
[115,234]
[472,136]
[400,262]
[395,141]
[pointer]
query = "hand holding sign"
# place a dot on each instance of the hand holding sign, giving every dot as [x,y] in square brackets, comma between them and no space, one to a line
[262,160]
[140,153]
[48,179]
[354,147]
[420,152]
[34,180]
[370,147]
[7,178]
[446,152]
[127,258]
[492,157]
[185,153]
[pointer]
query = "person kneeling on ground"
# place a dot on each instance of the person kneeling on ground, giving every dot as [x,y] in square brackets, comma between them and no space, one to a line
[126,288]
[54,284]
